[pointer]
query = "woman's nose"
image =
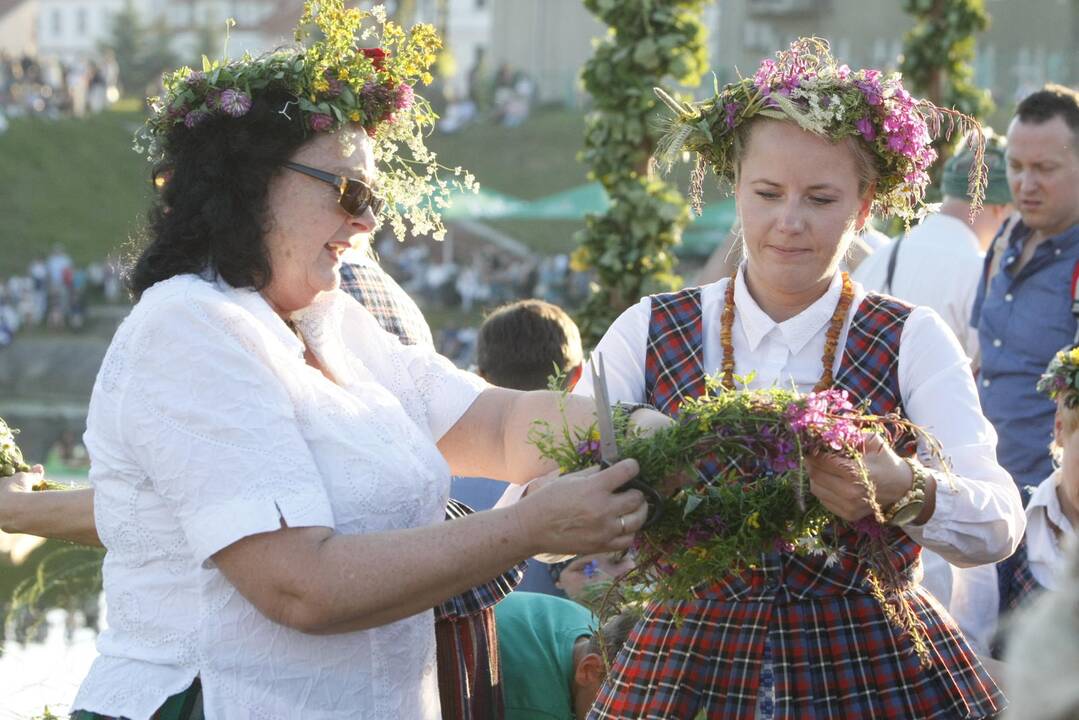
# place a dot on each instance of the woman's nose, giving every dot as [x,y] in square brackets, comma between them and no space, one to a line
[364,223]
[791,219]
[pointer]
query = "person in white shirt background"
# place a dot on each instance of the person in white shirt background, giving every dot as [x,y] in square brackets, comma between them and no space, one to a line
[938,263]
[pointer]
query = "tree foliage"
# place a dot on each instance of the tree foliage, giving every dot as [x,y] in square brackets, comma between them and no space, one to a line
[648,44]
[938,52]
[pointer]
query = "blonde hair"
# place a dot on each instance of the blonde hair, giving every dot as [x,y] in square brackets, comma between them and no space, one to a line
[1069,423]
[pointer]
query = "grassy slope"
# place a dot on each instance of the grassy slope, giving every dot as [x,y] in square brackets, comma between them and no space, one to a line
[76,182]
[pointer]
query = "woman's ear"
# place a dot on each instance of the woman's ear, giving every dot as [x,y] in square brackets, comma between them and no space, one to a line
[864,208]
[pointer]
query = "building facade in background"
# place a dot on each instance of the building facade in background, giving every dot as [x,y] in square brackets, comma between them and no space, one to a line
[17,25]
[1029,42]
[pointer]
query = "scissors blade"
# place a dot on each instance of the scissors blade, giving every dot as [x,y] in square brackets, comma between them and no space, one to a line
[608,447]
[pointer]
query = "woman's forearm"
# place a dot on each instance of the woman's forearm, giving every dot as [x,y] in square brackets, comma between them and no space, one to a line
[57,514]
[318,581]
[427,568]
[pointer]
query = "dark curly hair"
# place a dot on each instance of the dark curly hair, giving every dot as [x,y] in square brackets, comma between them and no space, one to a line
[212,212]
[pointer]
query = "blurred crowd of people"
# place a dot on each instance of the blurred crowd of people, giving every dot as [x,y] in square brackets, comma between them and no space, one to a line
[504,98]
[53,292]
[52,88]
[484,280]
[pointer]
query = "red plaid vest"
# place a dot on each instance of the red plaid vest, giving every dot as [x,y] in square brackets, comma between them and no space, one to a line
[868,371]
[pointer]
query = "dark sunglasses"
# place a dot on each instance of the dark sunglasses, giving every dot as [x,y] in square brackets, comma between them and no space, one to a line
[355,195]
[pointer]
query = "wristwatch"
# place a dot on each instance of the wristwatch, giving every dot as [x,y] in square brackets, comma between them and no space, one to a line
[906,509]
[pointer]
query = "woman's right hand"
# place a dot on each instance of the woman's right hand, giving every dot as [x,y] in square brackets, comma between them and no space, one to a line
[580,513]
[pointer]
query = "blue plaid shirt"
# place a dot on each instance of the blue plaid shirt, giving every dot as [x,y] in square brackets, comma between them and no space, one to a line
[394,310]
[1022,320]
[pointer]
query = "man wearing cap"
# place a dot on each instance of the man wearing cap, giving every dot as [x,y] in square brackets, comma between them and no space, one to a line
[1024,309]
[939,262]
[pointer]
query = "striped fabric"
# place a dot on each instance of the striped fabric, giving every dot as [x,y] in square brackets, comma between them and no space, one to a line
[469,667]
[834,654]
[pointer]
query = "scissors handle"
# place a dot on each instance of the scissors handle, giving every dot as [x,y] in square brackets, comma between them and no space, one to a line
[651,496]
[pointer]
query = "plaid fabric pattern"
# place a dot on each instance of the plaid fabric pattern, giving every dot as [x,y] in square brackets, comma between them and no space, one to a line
[1015,581]
[674,356]
[484,596]
[395,311]
[834,653]
[1018,588]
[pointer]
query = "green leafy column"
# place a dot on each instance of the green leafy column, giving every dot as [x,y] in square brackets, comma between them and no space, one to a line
[649,43]
[938,52]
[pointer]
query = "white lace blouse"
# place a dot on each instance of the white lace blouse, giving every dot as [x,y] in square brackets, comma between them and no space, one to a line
[206,426]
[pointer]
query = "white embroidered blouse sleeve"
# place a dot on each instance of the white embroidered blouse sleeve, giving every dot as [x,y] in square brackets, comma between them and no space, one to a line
[211,424]
[623,347]
[979,515]
[433,391]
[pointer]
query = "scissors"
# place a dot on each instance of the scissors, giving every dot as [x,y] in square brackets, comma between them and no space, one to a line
[608,446]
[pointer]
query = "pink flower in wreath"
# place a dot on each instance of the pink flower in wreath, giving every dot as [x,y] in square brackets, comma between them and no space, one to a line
[320,122]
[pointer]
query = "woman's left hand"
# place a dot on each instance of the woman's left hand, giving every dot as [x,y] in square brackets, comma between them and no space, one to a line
[835,480]
[648,422]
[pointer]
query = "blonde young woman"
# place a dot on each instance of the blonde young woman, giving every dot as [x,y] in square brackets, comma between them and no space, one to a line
[810,147]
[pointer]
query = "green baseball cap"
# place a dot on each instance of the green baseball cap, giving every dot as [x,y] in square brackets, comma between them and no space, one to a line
[954,180]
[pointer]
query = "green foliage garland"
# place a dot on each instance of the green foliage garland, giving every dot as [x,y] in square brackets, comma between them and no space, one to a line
[629,247]
[939,49]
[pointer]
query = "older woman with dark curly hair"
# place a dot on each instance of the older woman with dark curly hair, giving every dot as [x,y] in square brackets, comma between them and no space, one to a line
[270,468]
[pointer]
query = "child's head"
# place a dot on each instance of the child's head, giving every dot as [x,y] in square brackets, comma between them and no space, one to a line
[520,345]
[593,657]
[584,577]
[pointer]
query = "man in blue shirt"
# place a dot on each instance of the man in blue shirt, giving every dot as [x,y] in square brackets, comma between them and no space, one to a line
[1024,314]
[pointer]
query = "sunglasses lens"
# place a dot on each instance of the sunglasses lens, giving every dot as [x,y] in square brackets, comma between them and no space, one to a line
[357,197]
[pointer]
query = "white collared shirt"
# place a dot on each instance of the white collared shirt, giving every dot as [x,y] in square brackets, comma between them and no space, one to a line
[939,265]
[1046,550]
[977,520]
[207,426]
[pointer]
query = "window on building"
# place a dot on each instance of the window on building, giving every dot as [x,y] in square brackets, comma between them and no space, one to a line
[80,20]
[57,21]
[480,4]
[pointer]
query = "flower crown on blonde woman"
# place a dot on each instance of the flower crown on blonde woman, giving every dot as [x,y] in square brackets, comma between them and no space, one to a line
[1061,378]
[335,84]
[805,84]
